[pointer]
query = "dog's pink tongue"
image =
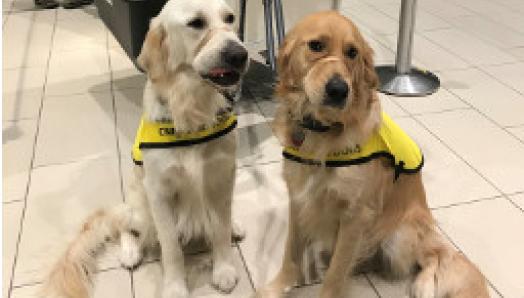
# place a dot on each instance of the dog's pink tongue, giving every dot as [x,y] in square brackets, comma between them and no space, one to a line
[217,71]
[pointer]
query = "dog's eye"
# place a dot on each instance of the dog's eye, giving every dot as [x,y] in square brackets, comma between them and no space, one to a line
[352,52]
[197,23]
[316,46]
[229,19]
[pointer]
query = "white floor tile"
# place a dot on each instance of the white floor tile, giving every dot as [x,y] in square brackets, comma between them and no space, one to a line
[22,106]
[11,214]
[256,143]
[496,12]
[510,74]
[424,20]
[391,107]
[18,81]
[517,53]
[260,206]
[128,103]
[114,283]
[17,152]
[148,278]
[60,199]
[444,11]
[442,100]
[492,226]
[469,48]
[494,99]
[27,39]
[124,73]
[77,72]
[365,15]
[447,179]
[76,127]
[429,55]
[493,152]
[78,34]
[519,200]
[489,31]
[22,93]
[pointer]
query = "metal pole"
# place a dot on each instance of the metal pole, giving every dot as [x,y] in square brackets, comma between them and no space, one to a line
[402,79]
[242,21]
[405,35]
[279,15]
[270,40]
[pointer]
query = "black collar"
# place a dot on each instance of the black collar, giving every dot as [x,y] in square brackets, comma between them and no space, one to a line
[310,123]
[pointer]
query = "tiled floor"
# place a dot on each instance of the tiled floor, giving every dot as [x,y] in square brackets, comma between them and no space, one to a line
[71,103]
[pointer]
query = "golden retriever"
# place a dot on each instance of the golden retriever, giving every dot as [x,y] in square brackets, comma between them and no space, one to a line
[371,210]
[185,173]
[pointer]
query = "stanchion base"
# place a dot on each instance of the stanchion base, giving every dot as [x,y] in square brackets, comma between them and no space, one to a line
[415,83]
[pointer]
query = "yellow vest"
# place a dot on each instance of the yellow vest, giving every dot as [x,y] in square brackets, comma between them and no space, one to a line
[164,135]
[390,141]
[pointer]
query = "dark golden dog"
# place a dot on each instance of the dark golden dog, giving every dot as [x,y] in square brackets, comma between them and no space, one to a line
[366,209]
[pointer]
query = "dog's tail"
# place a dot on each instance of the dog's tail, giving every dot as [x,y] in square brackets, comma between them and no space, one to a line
[72,276]
[446,272]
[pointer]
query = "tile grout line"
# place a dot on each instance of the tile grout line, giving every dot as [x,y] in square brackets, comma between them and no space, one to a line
[460,250]
[372,285]
[12,202]
[501,196]
[39,118]
[246,267]
[115,115]
[117,143]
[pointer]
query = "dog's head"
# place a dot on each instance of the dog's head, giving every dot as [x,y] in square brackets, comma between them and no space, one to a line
[327,62]
[196,36]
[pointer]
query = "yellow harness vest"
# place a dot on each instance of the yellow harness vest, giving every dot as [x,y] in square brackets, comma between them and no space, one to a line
[390,141]
[164,135]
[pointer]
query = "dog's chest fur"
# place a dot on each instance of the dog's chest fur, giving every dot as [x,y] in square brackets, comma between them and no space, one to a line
[325,195]
[194,178]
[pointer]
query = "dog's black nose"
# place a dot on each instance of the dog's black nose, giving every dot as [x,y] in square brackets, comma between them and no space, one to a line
[235,55]
[336,91]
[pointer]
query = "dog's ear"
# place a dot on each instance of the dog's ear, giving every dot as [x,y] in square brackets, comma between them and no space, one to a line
[153,58]
[366,79]
[368,66]
[284,67]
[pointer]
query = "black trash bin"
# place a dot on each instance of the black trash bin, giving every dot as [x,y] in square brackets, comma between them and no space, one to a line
[128,20]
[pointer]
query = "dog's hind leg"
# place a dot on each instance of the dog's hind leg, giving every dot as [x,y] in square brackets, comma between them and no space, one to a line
[443,272]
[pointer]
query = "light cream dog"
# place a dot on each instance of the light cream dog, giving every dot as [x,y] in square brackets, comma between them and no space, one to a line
[183,185]
[353,176]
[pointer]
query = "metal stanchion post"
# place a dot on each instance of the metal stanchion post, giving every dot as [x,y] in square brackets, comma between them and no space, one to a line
[279,16]
[270,41]
[402,79]
[242,21]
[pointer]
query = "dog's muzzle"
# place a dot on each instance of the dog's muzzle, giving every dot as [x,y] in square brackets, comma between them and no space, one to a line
[234,59]
[336,91]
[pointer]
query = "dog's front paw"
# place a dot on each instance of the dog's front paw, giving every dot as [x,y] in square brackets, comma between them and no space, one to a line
[130,251]
[225,277]
[423,287]
[175,290]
